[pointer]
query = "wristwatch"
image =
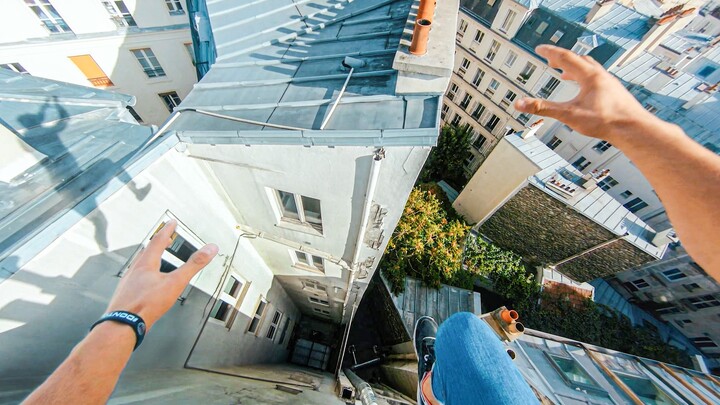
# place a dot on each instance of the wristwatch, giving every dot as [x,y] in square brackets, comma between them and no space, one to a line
[127,318]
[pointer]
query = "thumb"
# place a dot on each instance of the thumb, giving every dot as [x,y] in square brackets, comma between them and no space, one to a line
[197,262]
[541,107]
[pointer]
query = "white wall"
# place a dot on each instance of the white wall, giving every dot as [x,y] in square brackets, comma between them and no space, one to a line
[47,306]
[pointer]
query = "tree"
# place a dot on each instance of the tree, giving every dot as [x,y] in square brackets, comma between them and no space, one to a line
[425,245]
[447,159]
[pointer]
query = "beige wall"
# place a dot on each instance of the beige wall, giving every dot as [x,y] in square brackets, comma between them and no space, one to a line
[494,182]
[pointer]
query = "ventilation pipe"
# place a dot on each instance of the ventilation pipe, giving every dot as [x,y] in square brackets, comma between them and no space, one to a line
[426,10]
[421,34]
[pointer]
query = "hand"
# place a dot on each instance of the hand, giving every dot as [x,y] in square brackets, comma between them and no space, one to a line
[603,109]
[146,291]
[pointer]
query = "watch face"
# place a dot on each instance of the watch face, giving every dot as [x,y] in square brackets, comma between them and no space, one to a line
[141,328]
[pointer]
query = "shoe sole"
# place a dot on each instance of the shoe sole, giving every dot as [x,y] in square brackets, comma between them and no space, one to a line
[419,391]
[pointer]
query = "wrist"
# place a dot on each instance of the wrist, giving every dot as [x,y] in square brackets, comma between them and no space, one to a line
[635,132]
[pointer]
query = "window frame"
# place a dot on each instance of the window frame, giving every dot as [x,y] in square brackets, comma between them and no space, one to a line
[640,281]
[260,317]
[492,51]
[704,301]
[122,19]
[169,99]
[232,302]
[635,205]
[303,219]
[479,36]
[477,79]
[310,263]
[175,7]
[508,21]
[607,183]
[549,87]
[554,143]
[14,67]
[319,301]
[527,72]
[676,275]
[53,21]
[274,325]
[148,56]
[510,58]
[466,100]
[602,146]
[464,66]
[626,194]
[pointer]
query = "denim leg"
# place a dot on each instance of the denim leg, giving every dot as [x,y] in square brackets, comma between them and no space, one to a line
[472,366]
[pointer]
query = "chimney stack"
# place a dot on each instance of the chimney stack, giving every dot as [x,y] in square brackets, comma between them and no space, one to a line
[420,37]
[532,129]
[599,9]
[426,10]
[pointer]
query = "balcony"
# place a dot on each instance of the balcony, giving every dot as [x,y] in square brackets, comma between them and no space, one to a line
[101,82]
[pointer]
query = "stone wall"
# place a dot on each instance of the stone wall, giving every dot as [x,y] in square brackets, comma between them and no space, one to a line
[544,230]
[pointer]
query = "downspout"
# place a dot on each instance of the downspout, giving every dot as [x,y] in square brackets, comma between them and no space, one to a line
[354,265]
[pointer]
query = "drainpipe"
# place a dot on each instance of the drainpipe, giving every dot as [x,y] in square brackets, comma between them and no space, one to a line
[363,390]
[351,63]
[354,265]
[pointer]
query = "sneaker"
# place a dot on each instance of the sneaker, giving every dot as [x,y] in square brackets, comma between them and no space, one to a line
[424,342]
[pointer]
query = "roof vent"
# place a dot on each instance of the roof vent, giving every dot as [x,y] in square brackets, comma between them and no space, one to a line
[599,9]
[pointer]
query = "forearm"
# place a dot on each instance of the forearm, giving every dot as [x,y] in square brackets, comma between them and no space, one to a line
[686,177]
[89,374]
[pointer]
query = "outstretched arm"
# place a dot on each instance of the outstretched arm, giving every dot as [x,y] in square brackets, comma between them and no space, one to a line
[89,374]
[685,175]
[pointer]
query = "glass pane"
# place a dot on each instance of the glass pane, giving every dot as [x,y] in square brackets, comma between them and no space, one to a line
[166,267]
[289,207]
[301,257]
[572,371]
[220,310]
[253,325]
[311,207]
[232,287]
[181,248]
[276,317]
[318,262]
[261,308]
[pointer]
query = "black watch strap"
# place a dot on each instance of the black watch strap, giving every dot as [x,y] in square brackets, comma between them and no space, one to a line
[128,318]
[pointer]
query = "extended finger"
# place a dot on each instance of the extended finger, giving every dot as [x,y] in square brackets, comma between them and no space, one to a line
[195,263]
[572,65]
[161,240]
[542,107]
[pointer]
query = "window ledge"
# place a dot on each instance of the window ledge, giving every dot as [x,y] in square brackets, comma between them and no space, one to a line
[157,80]
[314,270]
[299,227]
[177,12]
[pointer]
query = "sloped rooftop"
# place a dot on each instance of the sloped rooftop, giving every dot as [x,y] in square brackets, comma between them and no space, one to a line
[279,70]
[596,205]
[85,135]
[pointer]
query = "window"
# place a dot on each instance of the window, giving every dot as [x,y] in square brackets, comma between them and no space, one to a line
[183,245]
[581,49]
[556,36]
[509,18]
[306,260]
[274,324]
[626,194]
[48,16]
[706,71]
[462,28]
[581,163]
[646,391]
[316,300]
[541,28]
[134,114]
[704,341]
[607,183]
[457,119]
[469,161]
[452,91]
[478,110]
[492,52]
[148,62]
[95,75]
[314,287]
[464,65]
[228,300]
[704,301]
[479,74]
[692,286]
[492,122]
[466,101]
[508,99]
[256,320]
[572,372]
[635,205]
[668,309]
[175,7]
[321,311]
[284,331]
[554,143]
[640,283]
[15,67]
[674,274]
[547,90]
[491,3]
[170,99]
[300,209]
[602,146]
[444,111]
[651,108]
[682,322]
[190,51]
[479,35]
[526,73]
[523,118]
[119,13]
[479,142]
[494,84]
[511,58]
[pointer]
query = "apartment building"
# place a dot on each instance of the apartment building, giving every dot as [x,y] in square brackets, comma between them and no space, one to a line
[266,157]
[138,47]
[496,64]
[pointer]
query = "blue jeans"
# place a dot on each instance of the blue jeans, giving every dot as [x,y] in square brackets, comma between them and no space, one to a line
[472,366]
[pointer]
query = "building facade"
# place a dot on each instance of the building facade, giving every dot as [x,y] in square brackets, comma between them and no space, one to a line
[141,48]
[266,158]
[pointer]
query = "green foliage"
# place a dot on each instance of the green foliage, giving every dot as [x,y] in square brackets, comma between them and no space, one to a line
[447,159]
[425,244]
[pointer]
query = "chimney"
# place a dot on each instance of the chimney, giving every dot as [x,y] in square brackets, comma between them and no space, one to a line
[426,10]
[532,129]
[599,9]
[420,37]
[705,91]
[664,237]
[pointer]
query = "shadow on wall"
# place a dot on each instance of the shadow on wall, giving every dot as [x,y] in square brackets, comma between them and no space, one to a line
[67,150]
